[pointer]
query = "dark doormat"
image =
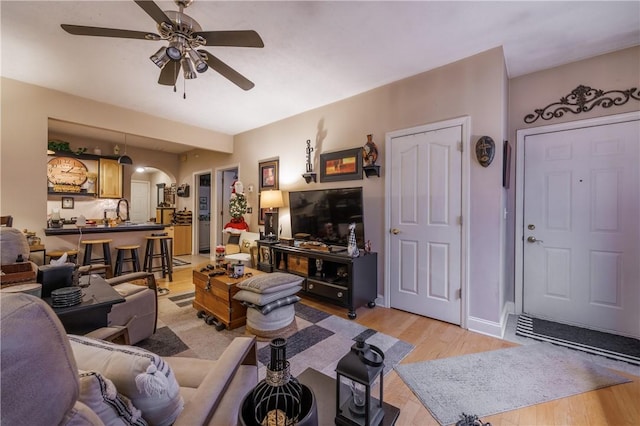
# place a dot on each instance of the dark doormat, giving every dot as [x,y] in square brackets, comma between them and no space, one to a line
[595,342]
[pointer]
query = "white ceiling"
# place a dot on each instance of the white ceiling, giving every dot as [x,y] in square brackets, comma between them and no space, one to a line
[315,52]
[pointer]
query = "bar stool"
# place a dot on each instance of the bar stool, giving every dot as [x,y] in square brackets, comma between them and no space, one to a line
[106,254]
[72,255]
[165,256]
[121,259]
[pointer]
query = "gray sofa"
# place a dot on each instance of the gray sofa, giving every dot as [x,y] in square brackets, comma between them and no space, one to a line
[51,378]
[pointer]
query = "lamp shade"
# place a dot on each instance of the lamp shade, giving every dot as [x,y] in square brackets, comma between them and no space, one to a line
[271,199]
[125,159]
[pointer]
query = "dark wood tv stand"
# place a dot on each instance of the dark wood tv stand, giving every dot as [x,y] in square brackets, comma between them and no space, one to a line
[336,278]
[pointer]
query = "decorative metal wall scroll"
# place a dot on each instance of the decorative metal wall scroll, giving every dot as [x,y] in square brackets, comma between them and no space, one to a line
[485,150]
[583,99]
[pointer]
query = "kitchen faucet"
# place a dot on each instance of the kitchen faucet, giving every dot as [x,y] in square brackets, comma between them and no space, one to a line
[126,203]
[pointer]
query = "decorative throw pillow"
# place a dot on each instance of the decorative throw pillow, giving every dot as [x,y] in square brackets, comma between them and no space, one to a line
[270,283]
[99,394]
[284,301]
[261,299]
[245,246]
[144,377]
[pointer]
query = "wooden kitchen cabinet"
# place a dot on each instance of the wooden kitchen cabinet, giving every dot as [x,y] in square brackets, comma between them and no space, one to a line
[109,178]
[181,240]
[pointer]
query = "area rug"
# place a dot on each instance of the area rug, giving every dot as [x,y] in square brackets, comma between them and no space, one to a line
[591,341]
[507,379]
[180,262]
[320,342]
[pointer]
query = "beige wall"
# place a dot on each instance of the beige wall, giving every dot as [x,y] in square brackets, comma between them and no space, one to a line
[614,71]
[25,113]
[475,87]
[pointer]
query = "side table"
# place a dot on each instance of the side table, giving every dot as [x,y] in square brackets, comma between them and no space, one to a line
[214,297]
[324,389]
[92,312]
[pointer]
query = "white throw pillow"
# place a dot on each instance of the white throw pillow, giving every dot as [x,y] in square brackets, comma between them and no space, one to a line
[100,394]
[142,376]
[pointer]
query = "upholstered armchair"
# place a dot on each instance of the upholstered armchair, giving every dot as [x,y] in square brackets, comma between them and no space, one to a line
[139,313]
[49,377]
[242,248]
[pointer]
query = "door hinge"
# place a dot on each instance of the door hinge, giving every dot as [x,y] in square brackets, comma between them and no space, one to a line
[459,293]
[460,147]
[460,220]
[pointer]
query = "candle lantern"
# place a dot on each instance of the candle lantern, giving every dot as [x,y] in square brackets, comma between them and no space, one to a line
[356,374]
[279,399]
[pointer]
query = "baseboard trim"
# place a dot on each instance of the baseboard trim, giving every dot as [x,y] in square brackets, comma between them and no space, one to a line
[482,326]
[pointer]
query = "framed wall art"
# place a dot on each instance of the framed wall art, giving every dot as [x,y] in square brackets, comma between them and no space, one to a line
[67,202]
[203,203]
[341,165]
[268,172]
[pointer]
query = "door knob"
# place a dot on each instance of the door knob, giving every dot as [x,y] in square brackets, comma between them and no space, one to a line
[395,231]
[533,239]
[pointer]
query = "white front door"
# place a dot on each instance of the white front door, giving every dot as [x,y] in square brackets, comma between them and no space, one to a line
[581,227]
[140,197]
[425,214]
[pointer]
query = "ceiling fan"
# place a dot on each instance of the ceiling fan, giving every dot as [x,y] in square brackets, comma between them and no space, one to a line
[185,36]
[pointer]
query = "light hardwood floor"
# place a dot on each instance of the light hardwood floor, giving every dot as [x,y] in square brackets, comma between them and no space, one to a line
[614,405]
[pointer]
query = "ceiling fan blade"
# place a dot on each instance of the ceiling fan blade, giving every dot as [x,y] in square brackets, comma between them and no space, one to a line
[227,72]
[108,32]
[154,11]
[248,38]
[169,73]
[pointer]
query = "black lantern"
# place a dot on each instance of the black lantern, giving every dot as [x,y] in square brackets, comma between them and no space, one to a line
[279,399]
[356,374]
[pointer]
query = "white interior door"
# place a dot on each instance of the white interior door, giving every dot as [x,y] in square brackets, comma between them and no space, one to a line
[426,237]
[581,245]
[140,199]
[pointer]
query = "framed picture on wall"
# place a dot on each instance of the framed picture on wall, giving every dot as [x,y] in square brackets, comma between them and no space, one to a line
[341,165]
[67,202]
[268,172]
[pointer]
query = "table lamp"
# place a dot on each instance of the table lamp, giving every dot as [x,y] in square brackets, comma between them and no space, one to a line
[271,200]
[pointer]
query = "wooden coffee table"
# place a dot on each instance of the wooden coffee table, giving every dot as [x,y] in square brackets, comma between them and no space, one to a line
[214,297]
[324,389]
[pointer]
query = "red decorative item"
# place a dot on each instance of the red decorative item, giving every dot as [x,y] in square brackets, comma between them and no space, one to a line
[237,225]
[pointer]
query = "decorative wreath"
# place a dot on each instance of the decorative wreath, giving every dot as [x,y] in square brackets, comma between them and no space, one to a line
[237,206]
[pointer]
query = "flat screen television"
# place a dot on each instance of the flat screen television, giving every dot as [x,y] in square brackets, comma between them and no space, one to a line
[324,215]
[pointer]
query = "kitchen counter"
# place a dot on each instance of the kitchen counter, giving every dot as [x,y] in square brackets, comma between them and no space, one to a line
[101,229]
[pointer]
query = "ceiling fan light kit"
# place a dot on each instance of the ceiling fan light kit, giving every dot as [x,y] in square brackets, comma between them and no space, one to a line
[160,58]
[185,36]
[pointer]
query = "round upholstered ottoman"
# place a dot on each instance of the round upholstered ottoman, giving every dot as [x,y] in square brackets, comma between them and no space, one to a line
[277,323]
[270,300]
